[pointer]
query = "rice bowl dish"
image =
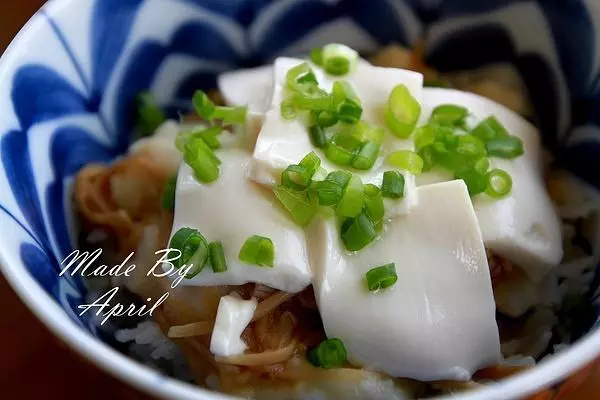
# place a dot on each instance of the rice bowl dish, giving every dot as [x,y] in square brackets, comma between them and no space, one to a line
[260,211]
[349,230]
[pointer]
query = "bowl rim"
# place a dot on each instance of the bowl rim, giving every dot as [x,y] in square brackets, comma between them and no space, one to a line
[154,383]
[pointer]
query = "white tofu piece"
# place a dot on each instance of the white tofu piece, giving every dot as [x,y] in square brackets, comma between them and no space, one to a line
[438,320]
[233,315]
[230,210]
[252,87]
[523,227]
[281,143]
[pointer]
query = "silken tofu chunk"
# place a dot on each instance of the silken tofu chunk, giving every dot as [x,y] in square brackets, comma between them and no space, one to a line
[524,226]
[438,320]
[252,87]
[230,210]
[281,143]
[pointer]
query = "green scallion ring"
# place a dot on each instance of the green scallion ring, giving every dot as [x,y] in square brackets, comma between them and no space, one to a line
[402,112]
[499,183]
[356,233]
[204,106]
[406,160]
[508,147]
[258,250]
[330,191]
[352,201]
[449,114]
[476,181]
[392,185]
[330,353]
[216,254]
[296,177]
[201,159]
[366,157]
[193,248]
[381,277]
[317,136]
[299,204]
[374,202]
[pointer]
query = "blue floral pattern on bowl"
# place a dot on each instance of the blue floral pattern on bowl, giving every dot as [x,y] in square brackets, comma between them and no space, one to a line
[71,94]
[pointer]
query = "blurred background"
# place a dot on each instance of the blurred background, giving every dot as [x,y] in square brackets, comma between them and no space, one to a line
[36,365]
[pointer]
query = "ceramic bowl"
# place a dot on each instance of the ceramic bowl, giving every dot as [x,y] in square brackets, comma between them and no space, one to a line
[68,80]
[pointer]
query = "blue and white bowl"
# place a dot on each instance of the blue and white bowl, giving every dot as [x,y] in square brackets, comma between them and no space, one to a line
[68,80]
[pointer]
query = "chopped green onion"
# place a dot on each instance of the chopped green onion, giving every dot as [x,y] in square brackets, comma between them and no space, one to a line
[352,200]
[476,181]
[300,77]
[209,135]
[325,119]
[374,202]
[168,196]
[330,190]
[365,132]
[311,162]
[203,105]
[402,111]
[338,59]
[482,165]
[349,112]
[330,353]
[447,158]
[216,255]
[342,148]
[346,102]
[193,248]
[426,153]
[316,101]
[366,156]
[381,277]
[470,147]
[392,185]
[499,183]
[201,159]
[406,160]
[300,205]
[505,147]
[444,134]
[337,66]
[424,136]
[358,232]
[489,128]
[149,115]
[342,91]
[316,56]
[296,177]
[231,115]
[320,175]
[258,250]
[317,136]
[287,110]
[449,114]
